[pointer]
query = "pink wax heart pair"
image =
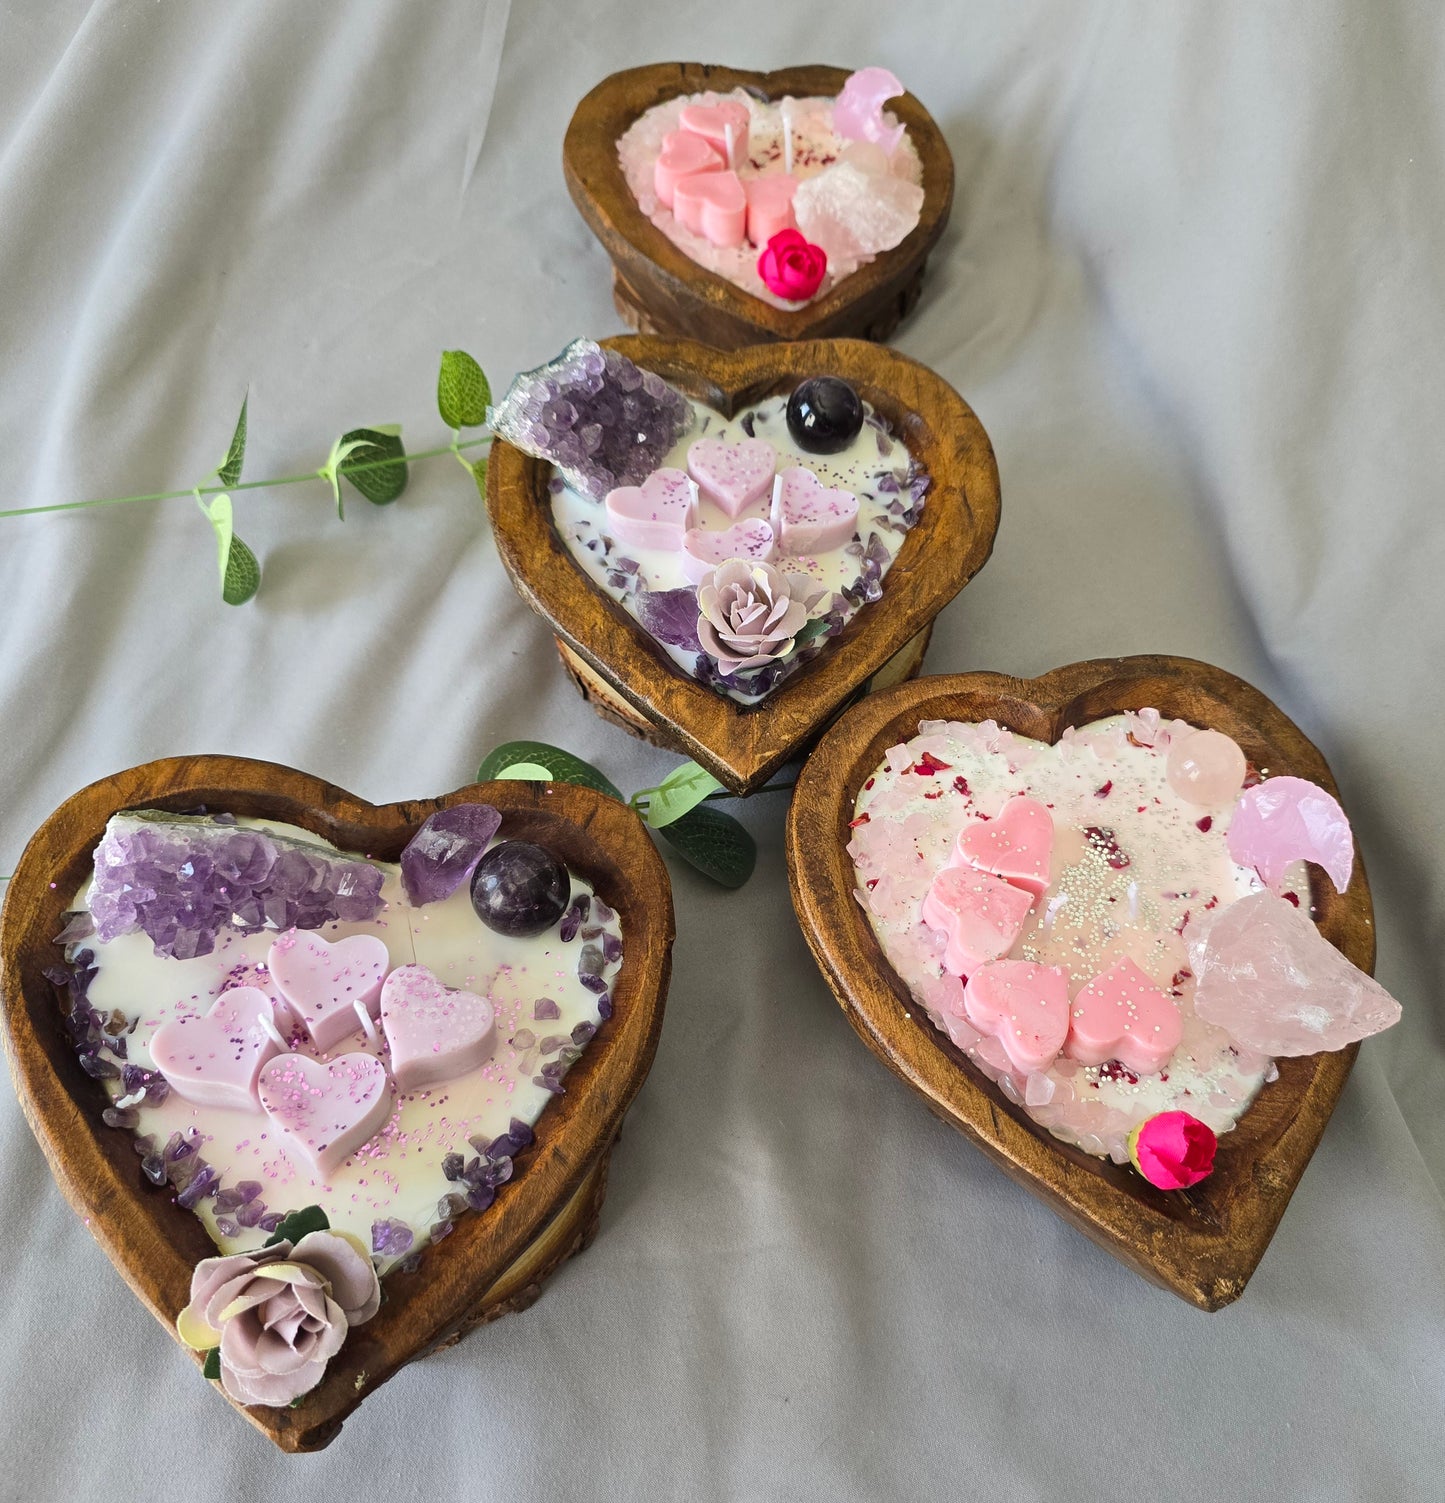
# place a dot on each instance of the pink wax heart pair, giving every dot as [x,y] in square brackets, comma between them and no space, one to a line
[1120,1014]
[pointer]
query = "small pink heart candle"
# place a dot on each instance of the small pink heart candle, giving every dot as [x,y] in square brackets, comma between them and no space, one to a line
[682,155]
[722,125]
[712,204]
[770,206]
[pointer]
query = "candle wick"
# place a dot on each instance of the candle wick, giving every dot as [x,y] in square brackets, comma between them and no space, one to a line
[366,1022]
[267,1022]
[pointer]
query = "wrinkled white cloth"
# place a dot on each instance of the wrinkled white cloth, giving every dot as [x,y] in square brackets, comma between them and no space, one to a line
[1193,286]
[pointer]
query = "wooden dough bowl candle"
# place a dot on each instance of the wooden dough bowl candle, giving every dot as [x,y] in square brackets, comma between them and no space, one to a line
[623,671]
[660,290]
[495,1261]
[1202,1243]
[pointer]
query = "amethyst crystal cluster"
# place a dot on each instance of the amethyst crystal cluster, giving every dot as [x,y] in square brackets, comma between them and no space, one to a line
[183,878]
[603,421]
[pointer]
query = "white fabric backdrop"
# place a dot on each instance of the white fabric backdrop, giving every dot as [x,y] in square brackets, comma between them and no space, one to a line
[1193,287]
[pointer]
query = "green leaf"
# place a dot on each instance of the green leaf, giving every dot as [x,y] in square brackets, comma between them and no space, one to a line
[343,446]
[297,1225]
[479,474]
[715,843]
[562,766]
[230,468]
[525,772]
[463,392]
[240,573]
[211,1367]
[683,789]
[814,628]
[380,447]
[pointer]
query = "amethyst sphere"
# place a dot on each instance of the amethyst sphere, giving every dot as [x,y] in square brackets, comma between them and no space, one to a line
[518,889]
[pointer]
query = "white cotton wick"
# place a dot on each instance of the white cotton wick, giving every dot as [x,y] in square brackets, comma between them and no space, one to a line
[1133,900]
[268,1022]
[786,110]
[730,135]
[1051,909]
[366,1023]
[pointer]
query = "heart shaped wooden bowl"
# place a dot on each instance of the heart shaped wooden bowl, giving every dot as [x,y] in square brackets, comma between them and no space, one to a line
[659,290]
[1203,1243]
[494,1262]
[627,675]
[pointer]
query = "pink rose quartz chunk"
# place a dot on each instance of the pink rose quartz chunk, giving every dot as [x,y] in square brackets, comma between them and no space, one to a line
[1270,979]
[1025,1006]
[325,982]
[216,1060]
[1204,767]
[325,1112]
[435,1033]
[979,915]
[1017,845]
[1290,819]
[858,112]
[1122,1015]
[855,214]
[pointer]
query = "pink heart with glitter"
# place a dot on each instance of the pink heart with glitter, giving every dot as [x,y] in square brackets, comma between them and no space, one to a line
[216,1060]
[979,915]
[325,1111]
[324,982]
[1017,845]
[808,516]
[434,1033]
[703,550]
[1122,1015]
[1024,1006]
[733,476]
[654,514]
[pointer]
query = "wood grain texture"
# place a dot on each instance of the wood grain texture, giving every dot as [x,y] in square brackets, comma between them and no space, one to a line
[658,289]
[492,1260]
[1203,1243]
[743,745]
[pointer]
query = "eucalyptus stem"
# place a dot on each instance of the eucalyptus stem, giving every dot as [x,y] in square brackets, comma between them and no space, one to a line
[250,485]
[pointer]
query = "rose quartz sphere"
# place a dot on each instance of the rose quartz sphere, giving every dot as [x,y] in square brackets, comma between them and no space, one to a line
[1205,768]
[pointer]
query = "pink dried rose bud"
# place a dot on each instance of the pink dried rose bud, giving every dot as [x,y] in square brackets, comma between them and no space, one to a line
[1173,1150]
[751,613]
[281,1314]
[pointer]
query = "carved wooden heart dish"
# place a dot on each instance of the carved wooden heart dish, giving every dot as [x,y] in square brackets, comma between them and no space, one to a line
[495,1260]
[1202,1243]
[658,289]
[623,667]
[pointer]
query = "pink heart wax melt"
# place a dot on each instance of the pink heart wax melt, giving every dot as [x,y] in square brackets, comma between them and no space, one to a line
[1017,845]
[1023,1005]
[703,550]
[682,155]
[654,514]
[1122,1015]
[810,517]
[215,1060]
[770,206]
[724,126]
[733,476]
[712,204]
[979,915]
[434,1032]
[324,982]
[325,1111]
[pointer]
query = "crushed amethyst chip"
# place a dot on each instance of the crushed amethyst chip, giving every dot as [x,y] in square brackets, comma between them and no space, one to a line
[441,1229]
[552,1043]
[120,1116]
[574,918]
[604,1006]
[201,1184]
[611,948]
[671,616]
[450,1206]
[452,1166]
[227,1227]
[270,1221]
[545,1009]
[601,419]
[480,1196]
[521,1133]
[252,1213]
[391,1238]
[153,1166]
[584,1033]
[445,851]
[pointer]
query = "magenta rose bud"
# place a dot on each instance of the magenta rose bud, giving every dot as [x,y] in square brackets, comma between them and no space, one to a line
[791,267]
[1173,1150]
[281,1314]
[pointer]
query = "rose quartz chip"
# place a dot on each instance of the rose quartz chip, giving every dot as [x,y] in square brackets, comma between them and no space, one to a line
[733,475]
[1289,819]
[1122,1015]
[325,1112]
[1204,767]
[654,514]
[810,517]
[980,916]
[682,155]
[853,214]
[858,110]
[1274,983]
[215,1060]
[1017,845]
[1025,1006]
[435,1034]
[324,982]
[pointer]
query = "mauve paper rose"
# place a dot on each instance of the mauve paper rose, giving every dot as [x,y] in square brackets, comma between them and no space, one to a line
[281,1314]
[751,612]
[1173,1150]
[792,267]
